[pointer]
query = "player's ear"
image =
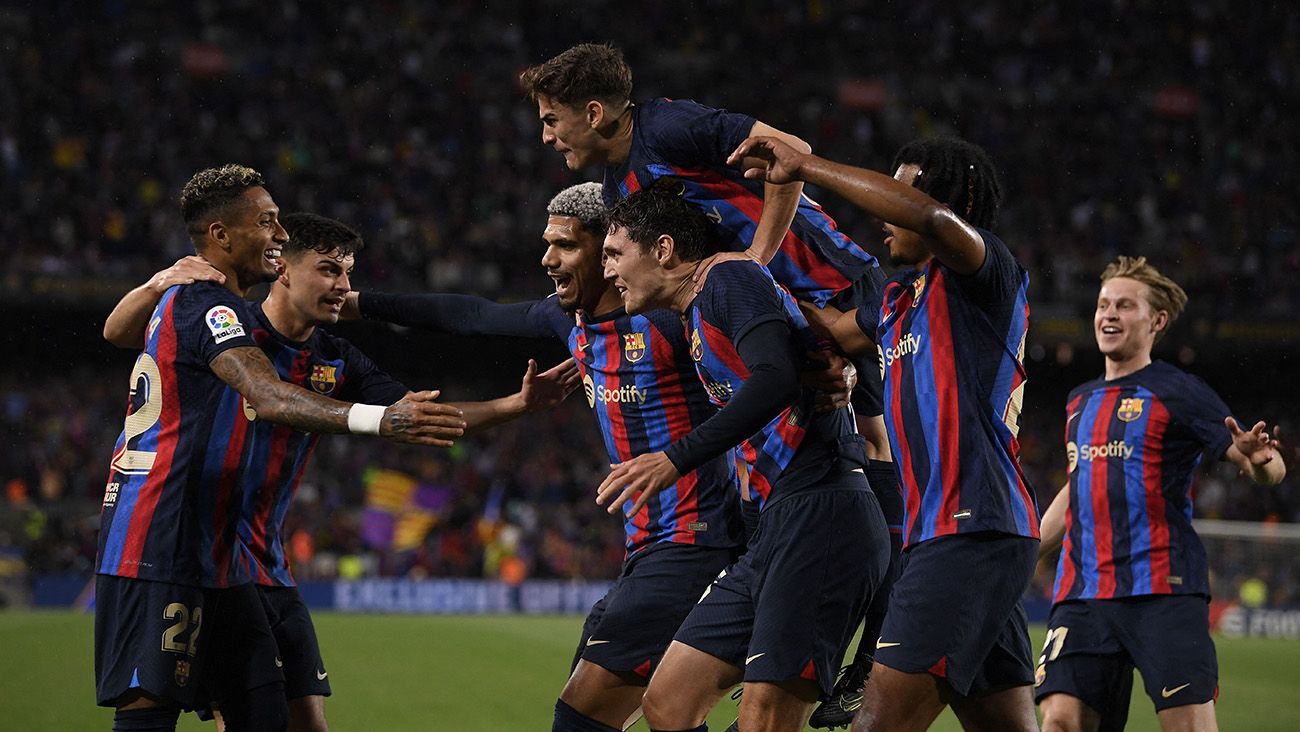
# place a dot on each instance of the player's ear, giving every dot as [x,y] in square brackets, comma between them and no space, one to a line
[664,248]
[1159,321]
[595,111]
[218,235]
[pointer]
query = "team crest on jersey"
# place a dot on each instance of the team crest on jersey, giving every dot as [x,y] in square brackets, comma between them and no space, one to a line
[918,287]
[224,324]
[182,672]
[323,377]
[697,348]
[634,346]
[1130,409]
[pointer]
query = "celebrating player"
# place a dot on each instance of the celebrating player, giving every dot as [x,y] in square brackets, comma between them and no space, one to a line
[772,620]
[950,334]
[639,379]
[584,101]
[171,593]
[1132,586]
[317,265]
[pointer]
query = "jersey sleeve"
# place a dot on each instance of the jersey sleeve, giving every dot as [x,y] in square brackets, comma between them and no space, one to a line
[366,382]
[469,315]
[689,134]
[738,297]
[997,280]
[210,320]
[1202,411]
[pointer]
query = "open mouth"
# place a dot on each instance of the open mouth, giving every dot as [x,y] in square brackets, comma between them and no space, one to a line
[335,304]
[563,283]
[272,255]
[1110,330]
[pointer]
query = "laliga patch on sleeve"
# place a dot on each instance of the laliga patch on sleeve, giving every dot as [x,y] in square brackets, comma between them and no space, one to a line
[224,324]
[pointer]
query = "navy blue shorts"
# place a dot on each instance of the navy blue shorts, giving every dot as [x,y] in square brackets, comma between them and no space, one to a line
[789,607]
[149,637]
[629,628]
[1093,646]
[295,636]
[244,655]
[955,612]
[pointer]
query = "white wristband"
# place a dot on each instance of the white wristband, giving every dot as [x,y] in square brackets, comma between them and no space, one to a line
[364,419]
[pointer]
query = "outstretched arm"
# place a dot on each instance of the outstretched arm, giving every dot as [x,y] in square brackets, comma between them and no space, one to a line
[780,201]
[125,326]
[417,418]
[1256,453]
[954,242]
[458,314]
[538,392]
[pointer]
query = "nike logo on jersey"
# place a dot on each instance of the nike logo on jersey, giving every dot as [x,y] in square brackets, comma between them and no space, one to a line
[1167,692]
[882,644]
[320,675]
[753,657]
[594,642]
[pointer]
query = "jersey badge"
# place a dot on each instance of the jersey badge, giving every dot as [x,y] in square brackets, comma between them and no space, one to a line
[323,378]
[697,348]
[182,672]
[224,324]
[1130,409]
[918,287]
[634,346]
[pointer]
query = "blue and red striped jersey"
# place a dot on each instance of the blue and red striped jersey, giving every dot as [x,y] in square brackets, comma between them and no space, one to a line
[951,347]
[175,481]
[736,298]
[691,142]
[276,455]
[1132,445]
[638,377]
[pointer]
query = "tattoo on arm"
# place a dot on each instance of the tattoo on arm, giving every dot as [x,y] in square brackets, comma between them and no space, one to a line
[248,371]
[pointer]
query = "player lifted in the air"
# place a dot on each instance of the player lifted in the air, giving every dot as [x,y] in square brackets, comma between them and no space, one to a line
[1132,586]
[584,102]
[172,595]
[950,331]
[316,266]
[775,620]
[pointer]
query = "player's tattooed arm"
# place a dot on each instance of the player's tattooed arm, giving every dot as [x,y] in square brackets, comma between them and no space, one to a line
[417,418]
[126,325]
[1256,453]
[950,239]
[538,392]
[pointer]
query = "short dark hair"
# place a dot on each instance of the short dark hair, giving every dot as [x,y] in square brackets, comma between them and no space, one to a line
[213,189]
[310,232]
[582,73]
[958,174]
[584,203]
[662,209]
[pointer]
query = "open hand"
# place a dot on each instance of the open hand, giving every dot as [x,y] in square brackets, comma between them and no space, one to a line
[547,389]
[187,271]
[419,419]
[768,159]
[1257,445]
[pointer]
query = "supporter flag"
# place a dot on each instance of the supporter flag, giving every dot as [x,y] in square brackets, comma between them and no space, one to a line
[400,511]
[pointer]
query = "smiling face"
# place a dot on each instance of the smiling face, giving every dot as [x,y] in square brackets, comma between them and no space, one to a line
[317,283]
[254,237]
[572,261]
[572,131]
[1124,323]
[637,275]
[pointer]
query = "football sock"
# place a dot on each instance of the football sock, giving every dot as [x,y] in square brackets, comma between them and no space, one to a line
[148,719]
[568,719]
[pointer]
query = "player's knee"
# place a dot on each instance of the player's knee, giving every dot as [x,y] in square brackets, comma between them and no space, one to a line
[146,719]
[307,714]
[664,710]
[1060,715]
[568,719]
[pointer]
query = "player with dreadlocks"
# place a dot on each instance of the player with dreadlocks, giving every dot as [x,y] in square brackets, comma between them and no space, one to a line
[950,333]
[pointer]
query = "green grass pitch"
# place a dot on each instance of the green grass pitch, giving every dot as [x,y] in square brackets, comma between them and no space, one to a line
[492,673]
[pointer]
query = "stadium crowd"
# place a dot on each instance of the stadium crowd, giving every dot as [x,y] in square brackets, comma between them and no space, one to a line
[1143,141]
